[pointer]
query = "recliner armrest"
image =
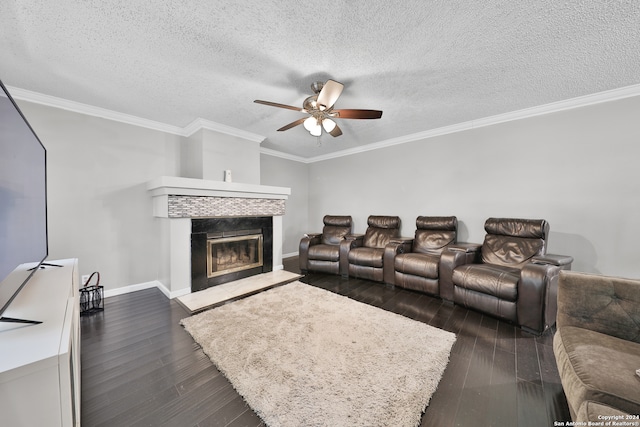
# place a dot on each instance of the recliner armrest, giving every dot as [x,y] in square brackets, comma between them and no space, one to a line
[397,245]
[453,256]
[537,303]
[350,241]
[303,251]
[553,259]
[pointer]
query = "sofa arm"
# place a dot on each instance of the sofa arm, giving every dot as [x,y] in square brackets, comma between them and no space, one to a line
[609,305]
[350,241]
[455,255]
[303,251]
[396,246]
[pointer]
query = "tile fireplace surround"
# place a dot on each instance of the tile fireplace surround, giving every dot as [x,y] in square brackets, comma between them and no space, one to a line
[177,200]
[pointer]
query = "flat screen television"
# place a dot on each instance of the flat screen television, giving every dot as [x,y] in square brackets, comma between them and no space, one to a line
[23,202]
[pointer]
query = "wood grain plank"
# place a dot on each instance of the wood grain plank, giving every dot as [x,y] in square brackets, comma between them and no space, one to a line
[139,367]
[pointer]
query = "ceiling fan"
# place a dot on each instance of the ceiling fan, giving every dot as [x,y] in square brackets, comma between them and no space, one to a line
[321,111]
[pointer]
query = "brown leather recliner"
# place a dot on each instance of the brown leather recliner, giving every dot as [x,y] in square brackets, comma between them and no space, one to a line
[509,276]
[321,251]
[415,264]
[363,255]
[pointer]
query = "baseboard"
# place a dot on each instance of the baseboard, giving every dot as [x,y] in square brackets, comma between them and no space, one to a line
[146,285]
[175,294]
[133,288]
[158,284]
[289,255]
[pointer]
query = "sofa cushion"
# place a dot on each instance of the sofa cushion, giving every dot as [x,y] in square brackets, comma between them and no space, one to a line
[333,235]
[381,230]
[498,281]
[518,227]
[510,251]
[433,233]
[513,242]
[370,257]
[324,252]
[336,227]
[609,305]
[424,265]
[432,241]
[379,237]
[598,367]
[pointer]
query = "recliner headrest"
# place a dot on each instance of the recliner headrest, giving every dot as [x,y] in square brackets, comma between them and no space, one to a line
[447,223]
[525,228]
[337,220]
[384,221]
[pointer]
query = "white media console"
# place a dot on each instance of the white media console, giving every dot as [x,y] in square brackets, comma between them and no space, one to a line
[40,364]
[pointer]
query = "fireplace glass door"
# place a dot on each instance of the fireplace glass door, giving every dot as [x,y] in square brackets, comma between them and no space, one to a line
[229,254]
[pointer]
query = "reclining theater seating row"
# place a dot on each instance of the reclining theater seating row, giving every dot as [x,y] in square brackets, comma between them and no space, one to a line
[509,275]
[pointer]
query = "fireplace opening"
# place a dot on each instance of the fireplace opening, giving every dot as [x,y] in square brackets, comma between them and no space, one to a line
[229,248]
[234,253]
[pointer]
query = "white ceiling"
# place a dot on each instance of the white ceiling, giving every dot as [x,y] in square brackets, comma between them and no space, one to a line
[426,64]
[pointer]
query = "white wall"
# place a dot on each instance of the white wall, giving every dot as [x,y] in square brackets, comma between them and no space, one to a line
[578,169]
[98,205]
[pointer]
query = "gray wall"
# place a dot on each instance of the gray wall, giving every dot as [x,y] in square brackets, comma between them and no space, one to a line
[287,173]
[578,169]
[207,154]
[98,206]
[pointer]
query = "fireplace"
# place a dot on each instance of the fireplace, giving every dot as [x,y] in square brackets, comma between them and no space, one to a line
[188,209]
[227,249]
[234,251]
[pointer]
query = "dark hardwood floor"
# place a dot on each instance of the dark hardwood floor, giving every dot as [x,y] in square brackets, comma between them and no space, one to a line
[140,368]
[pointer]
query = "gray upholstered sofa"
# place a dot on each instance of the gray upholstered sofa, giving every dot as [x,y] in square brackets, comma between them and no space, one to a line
[597,346]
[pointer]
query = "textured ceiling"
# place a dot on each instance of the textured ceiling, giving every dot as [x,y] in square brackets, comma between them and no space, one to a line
[426,64]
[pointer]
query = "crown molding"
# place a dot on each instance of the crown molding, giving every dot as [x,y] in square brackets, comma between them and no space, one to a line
[554,107]
[90,110]
[78,107]
[199,123]
[283,155]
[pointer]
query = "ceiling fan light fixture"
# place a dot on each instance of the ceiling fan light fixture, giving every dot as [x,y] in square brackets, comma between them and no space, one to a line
[328,125]
[310,123]
[317,131]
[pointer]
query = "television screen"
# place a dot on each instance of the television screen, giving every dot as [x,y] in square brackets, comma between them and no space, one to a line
[23,199]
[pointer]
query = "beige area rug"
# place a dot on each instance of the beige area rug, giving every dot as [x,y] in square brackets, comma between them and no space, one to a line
[303,356]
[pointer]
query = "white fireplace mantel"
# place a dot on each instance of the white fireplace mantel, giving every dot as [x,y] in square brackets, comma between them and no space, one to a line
[181,199]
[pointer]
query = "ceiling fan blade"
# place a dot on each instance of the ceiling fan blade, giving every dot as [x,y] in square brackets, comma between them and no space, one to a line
[329,94]
[275,104]
[336,131]
[357,114]
[293,124]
